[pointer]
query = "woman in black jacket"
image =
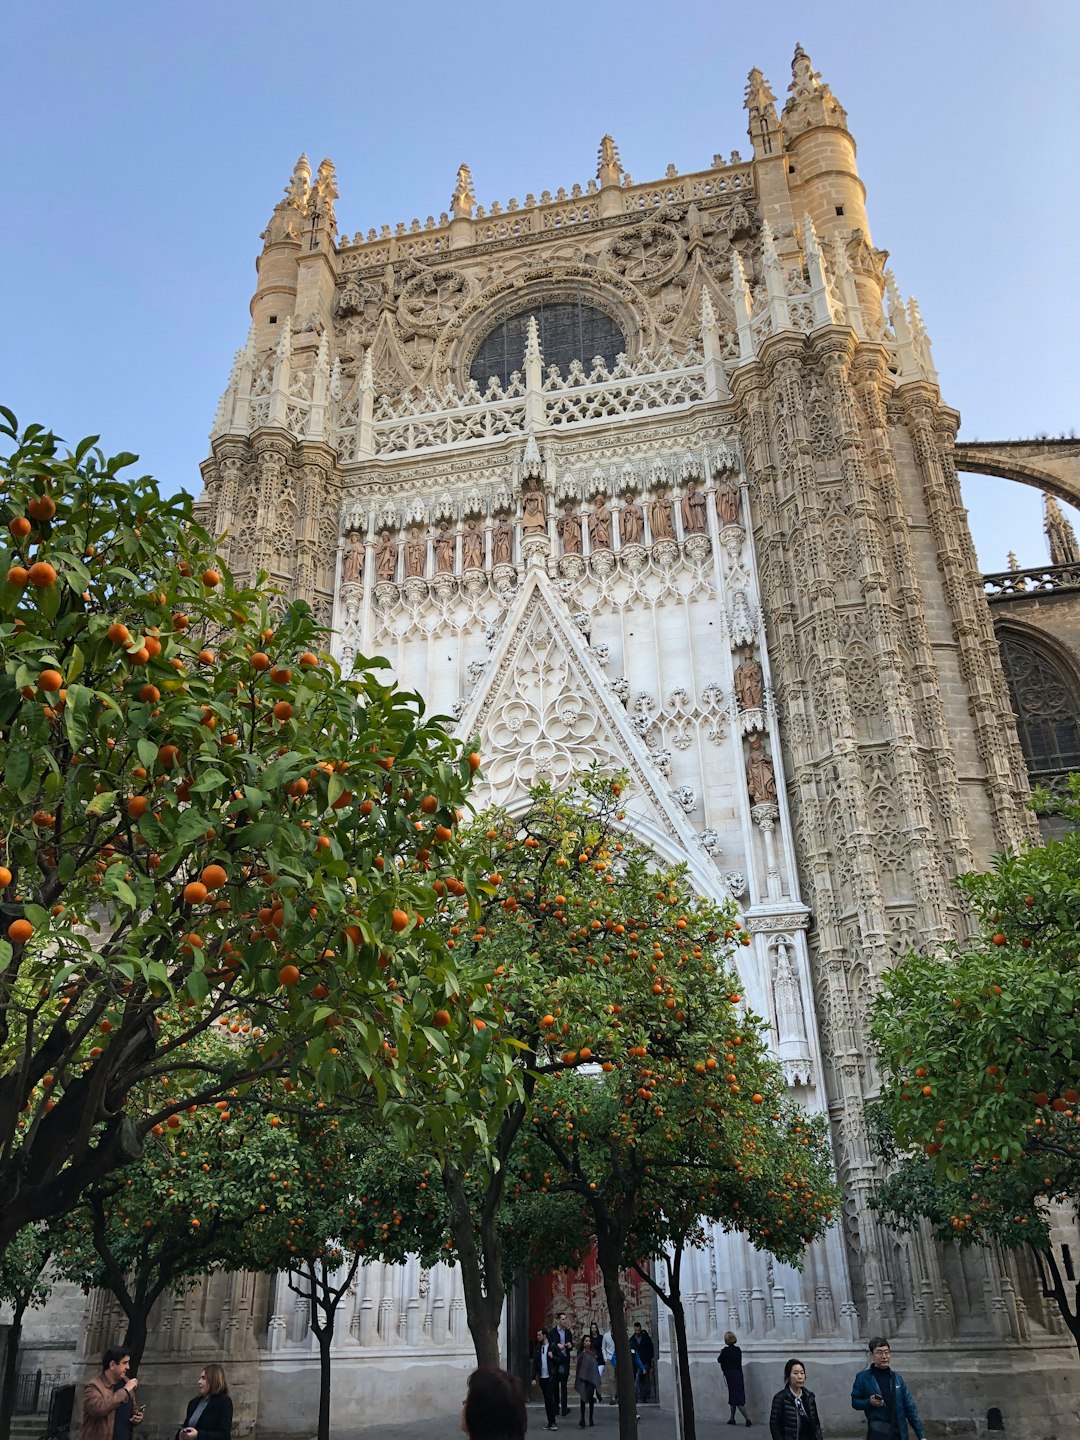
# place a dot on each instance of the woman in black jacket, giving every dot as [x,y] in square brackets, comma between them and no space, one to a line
[209,1414]
[794,1410]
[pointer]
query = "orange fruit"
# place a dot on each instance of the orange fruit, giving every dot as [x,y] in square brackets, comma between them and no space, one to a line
[283,710]
[42,575]
[18,575]
[150,693]
[137,806]
[50,681]
[260,661]
[429,804]
[398,920]
[308,659]
[43,508]
[5,877]
[118,634]
[280,676]
[288,975]
[167,756]
[474,761]
[211,578]
[20,527]
[441,1019]
[213,877]
[195,892]
[19,931]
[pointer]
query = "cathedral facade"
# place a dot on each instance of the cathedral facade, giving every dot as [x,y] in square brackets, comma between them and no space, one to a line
[533,454]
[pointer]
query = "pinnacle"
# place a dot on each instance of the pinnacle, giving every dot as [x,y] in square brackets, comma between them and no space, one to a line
[759,93]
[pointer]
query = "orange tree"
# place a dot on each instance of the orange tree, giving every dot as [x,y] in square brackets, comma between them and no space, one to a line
[202,823]
[661,1143]
[980,1049]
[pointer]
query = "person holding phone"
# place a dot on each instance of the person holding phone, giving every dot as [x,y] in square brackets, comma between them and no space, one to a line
[210,1413]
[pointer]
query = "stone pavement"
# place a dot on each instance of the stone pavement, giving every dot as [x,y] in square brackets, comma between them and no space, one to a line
[657,1423]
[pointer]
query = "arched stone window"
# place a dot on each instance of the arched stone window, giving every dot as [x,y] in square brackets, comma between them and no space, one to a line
[1046,701]
[569,330]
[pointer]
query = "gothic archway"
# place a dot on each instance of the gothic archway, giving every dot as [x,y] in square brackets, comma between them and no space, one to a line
[1044,688]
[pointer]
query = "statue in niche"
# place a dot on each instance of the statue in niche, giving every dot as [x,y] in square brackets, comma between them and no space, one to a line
[534,511]
[352,563]
[693,510]
[600,525]
[727,503]
[472,545]
[760,776]
[385,556]
[749,686]
[415,553]
[444,549]
[502,540]
[790,1021]
[631,522]
[660,519]
[570,531]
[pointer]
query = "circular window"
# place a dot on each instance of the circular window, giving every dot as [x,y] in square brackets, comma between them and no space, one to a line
[569,331]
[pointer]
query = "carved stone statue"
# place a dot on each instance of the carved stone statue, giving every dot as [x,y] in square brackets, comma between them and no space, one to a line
[600,525]
[444,549]
[631,523]
[570,531]
[472,545]
[352,563]
[415,553]
[660,519]
[534,511]
[760,776]
[727,503]
[385,556]
[693,510]
[748,684]
[502,540]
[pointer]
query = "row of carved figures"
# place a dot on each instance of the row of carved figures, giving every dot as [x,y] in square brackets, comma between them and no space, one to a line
[632,523]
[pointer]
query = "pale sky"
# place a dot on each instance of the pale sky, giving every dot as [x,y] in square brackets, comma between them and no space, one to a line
[148,142]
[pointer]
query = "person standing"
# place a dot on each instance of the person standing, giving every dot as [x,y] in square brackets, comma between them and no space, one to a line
[543,1373]
[210,1414]
[730,1362]
[587,1380]
[641,1347]
[607,1350]
[562,1339]
[109,1399]
[794,1413]
[494,1406]
[882,1394]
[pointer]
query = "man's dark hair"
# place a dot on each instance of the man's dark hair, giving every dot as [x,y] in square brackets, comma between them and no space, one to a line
[876,1341]
[791,1366]
[495,1406]
[114,1355]
[637,1324]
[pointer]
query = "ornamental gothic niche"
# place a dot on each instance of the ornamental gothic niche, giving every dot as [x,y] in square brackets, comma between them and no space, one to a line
[659,474]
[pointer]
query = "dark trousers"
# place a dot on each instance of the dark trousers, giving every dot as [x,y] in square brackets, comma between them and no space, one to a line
[548,1388]
[591,1403]
[561,1384]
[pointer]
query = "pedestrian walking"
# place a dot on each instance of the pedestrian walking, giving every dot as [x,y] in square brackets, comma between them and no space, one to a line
[562,1338]
[210,1413]
[494,1406]
[109,1410]
[543,1362]
[730,1362]
[882,1394]
[608,1379]
[587,1380]
[794,1414]
[643,1351]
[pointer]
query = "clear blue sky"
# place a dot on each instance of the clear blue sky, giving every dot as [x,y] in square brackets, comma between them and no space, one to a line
[148,142]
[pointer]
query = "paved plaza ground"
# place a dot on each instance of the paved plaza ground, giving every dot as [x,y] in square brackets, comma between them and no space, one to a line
[657,1423]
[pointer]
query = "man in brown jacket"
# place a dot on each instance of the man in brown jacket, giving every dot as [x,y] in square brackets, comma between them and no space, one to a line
[108,1400]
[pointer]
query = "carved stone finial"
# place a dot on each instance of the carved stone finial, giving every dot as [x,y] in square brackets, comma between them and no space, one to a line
[810,101]
[324,192]
[1013,562]
[532,465]
[759,95]
[299,186]
[609,170]
[532,340]
[464,197]
[1064,549]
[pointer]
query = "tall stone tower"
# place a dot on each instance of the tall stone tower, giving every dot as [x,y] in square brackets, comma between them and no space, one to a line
[660,475]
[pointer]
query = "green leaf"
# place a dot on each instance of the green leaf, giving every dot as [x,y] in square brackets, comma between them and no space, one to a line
[197,986]
[17,769]
[102,804]
[77,715]
[147,753]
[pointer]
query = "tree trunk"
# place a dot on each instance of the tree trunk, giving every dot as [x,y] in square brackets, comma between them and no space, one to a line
[481,1274]
[11,1370]
[138,1328]
[1054,1288]
[609,1256]
[686,1389]
[325,1337]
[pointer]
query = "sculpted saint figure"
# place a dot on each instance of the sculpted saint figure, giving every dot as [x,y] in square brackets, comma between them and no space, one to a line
[444,549]
[727,503]
[534,512]
[352,564]
[631,522]
[385,556]
[415,553]
[570,531]
[600,525]
[502,539]
[472,545]
[660,518]
[760,778]
[748,684]
[693,510]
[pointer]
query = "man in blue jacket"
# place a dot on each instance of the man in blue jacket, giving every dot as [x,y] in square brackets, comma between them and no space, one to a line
[881,1392]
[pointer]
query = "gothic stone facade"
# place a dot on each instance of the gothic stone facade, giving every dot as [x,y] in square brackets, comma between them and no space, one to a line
[728,553]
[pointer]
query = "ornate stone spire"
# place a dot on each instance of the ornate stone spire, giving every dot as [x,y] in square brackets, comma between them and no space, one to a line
[1014,563]
[323,194]
[609,170]
[740,298]
[810,101]
[1064,549]
[534,379]
[291,210]
[464,198]
[764,123]
[299,186]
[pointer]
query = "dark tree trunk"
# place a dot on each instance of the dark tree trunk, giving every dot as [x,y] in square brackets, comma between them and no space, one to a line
[672,1298]
[324,1299]
[481,1267]
[138,1327]
[609,1256]
[1055,1287]
[325,1337]
[11,1370]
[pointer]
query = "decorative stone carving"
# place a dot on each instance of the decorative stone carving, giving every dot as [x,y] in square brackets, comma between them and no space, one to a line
[534,510]
[693,510]
[385,557]
[743,626]
[352,561]
[726,499]
[472,545]
[749,684]
[735,880]
[660,519]
[710,842]
[760,776]
[502,541]
[731,539]
[599,525]
[415,554]
[685,798]
[570,531]
[444,549]
[631,523]
[662,760]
